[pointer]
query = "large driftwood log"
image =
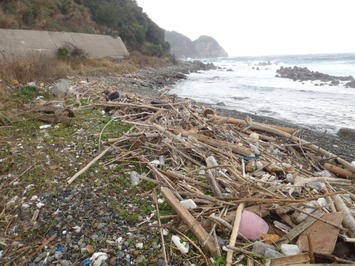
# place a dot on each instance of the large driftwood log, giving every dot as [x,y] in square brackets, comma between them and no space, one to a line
[338,170]
[223,119]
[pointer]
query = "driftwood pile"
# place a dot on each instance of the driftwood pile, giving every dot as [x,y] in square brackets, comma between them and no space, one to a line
[226,166]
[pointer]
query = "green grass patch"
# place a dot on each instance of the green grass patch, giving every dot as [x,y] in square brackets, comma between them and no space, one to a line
[28,93]
[165,209]
[28,128]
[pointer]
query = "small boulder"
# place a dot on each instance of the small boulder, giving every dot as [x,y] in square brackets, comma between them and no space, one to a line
[347,133]
[221,104]
[334,82]
[350,84]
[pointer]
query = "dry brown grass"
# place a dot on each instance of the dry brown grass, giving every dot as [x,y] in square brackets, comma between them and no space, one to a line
[142,61]
[135,62]
[32,68]
[4,94]
[22,70]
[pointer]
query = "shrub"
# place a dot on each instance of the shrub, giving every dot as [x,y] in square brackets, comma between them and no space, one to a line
[71,51]
[62,52]
[78,52]
[153,50]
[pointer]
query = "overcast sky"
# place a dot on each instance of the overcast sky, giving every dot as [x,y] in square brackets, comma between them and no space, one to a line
[262,27]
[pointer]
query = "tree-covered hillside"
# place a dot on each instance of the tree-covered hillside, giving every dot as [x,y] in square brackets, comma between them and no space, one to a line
[116,17]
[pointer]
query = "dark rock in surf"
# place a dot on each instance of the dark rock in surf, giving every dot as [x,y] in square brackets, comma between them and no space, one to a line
[304,74]
[335,83]
[180,76]
[350,84]
[347,133]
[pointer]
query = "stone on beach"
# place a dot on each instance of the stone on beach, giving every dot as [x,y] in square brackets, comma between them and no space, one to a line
[347,133]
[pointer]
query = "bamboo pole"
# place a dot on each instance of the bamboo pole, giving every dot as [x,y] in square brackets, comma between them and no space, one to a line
[234,235]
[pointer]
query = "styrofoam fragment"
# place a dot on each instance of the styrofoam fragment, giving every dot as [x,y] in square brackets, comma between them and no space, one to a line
[188,204]
[182,246]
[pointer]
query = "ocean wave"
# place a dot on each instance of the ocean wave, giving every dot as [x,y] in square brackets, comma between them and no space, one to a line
[259,91]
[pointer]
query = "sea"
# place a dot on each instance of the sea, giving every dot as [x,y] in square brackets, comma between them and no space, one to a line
[249,84]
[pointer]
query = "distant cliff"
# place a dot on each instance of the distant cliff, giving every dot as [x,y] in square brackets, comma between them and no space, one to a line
[204,47]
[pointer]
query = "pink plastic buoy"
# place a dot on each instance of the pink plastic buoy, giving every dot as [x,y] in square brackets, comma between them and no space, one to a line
[252,226]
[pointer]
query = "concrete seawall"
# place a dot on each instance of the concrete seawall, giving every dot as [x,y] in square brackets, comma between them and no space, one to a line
[22,42]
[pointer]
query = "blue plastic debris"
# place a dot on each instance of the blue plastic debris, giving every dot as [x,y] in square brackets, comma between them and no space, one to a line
[250,157]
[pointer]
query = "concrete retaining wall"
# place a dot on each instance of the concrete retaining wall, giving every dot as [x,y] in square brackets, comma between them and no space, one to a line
[22,42]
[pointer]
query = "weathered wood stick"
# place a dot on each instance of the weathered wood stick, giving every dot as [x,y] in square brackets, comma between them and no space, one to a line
[338,170]
[291,260]
[218,143]
[213,183]
[234,235]
[153,107]
[118,105]
[221,221]
[236,121]
[278,200]
[242,250]
[175,175]
[186,216]
[98,157]
[349,220]
[155,199]
[313,147]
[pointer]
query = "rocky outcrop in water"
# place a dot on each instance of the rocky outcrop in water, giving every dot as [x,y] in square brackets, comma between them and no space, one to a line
[204,47]
[347,133]
[304,74]
[350,84]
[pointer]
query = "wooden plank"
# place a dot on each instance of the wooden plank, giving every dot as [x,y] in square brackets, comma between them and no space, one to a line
[322,236]
[291,260]
[186,216]
[297,230]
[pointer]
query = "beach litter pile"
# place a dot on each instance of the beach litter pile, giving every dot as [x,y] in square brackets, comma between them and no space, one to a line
[241,191]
